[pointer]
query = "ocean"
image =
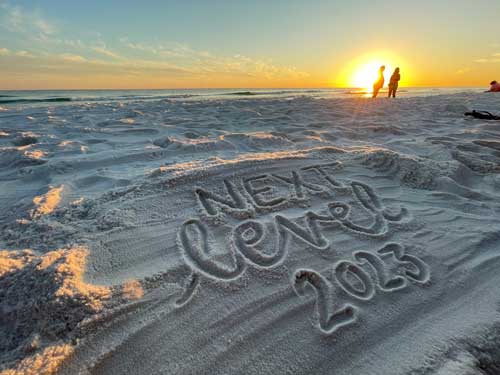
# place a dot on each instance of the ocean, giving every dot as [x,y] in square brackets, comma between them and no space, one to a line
[61,97]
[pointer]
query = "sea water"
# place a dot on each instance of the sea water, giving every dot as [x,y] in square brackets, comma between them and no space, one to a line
[61,97]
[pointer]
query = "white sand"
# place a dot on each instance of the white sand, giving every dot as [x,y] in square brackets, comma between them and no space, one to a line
[252,236]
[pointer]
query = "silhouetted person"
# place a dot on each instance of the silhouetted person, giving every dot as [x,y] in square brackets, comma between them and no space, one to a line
[380,82]
[495,87]
[394,83]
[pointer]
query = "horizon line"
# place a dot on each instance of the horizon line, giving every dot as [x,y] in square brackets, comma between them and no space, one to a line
[236,88]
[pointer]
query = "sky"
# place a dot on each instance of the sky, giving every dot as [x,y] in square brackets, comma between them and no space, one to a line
[97,44]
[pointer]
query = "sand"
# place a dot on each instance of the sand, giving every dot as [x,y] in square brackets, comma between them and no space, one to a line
[251,236]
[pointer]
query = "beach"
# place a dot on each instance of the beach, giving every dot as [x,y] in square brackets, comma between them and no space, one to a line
[249,232]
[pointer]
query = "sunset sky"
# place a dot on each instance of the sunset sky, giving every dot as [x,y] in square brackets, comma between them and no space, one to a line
[56,44]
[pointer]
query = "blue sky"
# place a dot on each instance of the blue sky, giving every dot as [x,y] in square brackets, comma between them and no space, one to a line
[224,43]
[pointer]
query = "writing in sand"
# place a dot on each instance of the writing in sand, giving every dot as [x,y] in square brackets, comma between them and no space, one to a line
[263,216]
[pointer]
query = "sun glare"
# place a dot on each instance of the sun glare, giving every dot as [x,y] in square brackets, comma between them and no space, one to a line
[361,72]
[366,74]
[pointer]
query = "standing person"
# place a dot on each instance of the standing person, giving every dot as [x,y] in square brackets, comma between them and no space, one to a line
[495,87]
[380,81]
[394,83]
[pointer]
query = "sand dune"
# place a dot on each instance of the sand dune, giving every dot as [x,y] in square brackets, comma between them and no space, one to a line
[251,236]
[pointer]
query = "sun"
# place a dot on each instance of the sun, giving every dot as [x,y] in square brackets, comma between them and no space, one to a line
[366,74]
[362,72]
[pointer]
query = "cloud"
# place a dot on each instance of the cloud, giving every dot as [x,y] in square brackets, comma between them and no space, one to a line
[12,17]
[207,63]
[24,54]
[73,62]
[489,60]
[239,64]
[54,53]
[212,68]
[101,48]
[106,52]
[139,46]
[73,43]
[7,52]
[44,26]
[493,58]
[19,20]
[168,49]
[73,58]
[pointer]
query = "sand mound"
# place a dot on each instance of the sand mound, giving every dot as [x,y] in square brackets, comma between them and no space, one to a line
[47,203]
[257,141]
[231,141]
[46,308]
[411,171]
[193,145]
[14,158]
[43,301]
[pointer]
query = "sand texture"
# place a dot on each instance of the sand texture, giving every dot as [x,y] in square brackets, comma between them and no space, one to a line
[251,236]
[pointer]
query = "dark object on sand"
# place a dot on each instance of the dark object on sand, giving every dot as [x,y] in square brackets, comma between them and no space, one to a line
[482,115]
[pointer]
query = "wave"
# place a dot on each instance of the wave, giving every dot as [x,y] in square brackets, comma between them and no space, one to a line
[45,100]
[77,98]
[242,93]
[177,96]
[283,92]
[140,97]
[133,97]
[4,99]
